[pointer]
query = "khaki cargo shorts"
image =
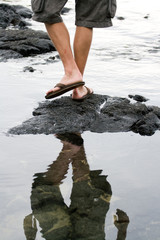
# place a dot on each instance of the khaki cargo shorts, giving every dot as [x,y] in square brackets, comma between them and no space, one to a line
[89,13]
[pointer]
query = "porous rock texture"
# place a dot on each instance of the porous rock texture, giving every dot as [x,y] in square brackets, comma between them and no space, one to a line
[23,43]
[99,113]
[14,15]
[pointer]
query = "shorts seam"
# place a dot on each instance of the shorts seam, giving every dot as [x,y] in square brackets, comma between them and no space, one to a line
[94,24]
[49,20]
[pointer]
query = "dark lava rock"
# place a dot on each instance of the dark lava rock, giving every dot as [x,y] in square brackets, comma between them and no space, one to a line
[147,16]
[23,43]
[23,11]
[16,14]
[28,69]
[138,98]
[99,113]
[120,18]
[6,54]
[13,15]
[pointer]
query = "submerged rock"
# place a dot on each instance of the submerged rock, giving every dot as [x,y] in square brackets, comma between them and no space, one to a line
[99,113]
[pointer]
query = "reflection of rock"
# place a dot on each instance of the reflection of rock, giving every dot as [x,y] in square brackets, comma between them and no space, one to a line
[121,222]
[23,43]
[99,113]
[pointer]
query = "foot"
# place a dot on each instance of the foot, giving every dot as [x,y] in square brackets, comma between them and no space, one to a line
[68,79]
[79,92]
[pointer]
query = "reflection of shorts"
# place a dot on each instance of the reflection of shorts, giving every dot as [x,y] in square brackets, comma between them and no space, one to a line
[89,13]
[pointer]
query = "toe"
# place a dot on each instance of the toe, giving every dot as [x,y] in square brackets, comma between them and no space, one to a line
[52,90]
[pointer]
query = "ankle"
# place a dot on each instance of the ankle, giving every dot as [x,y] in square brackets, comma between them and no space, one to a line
[74,72]
[79,90]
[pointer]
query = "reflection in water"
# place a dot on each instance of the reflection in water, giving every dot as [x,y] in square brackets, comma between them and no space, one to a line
[121,222]
[90,198]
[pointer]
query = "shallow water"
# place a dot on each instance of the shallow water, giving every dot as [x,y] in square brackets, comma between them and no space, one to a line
[124,59]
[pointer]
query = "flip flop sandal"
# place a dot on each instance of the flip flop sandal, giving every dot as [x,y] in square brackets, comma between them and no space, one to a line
[63,89]
[87,95]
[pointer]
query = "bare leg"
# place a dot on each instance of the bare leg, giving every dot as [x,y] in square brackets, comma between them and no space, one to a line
[61,40]
[82,43]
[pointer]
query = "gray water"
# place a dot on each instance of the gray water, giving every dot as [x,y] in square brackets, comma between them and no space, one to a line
[123,60]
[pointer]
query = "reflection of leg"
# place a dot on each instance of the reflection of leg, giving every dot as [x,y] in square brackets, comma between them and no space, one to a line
[47,202]
[58,169]
[80,166]
[89,200]
[121,222]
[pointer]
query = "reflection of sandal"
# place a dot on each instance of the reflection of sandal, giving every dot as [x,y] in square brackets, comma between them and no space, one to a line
[87,95]
[63,89]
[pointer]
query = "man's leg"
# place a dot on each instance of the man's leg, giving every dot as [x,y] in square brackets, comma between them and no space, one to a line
[82,44]
[61,40]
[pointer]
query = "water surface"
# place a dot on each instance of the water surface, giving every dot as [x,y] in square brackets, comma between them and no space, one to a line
[124,59]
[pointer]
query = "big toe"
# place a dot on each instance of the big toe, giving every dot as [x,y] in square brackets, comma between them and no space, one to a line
[52,90]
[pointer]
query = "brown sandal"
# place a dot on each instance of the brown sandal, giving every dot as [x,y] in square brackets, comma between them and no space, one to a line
[63,89]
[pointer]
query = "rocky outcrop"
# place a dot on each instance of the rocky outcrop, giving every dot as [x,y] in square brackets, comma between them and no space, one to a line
[14,15]
[23,43]
[99,113]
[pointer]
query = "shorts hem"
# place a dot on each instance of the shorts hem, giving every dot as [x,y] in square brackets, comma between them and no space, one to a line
[50,20]
[89,24]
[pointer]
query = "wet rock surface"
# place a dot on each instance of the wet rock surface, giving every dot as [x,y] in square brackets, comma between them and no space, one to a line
[14,15]
[138,98]
[99,113]
[23,43]
[17,15]
[28,69]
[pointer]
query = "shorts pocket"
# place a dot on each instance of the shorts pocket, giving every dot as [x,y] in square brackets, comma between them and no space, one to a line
[37,5]
[112,7]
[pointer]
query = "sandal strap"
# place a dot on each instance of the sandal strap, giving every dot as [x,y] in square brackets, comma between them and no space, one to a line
[60,85]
